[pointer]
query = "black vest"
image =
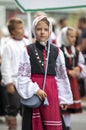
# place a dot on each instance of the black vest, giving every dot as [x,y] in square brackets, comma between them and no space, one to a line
[36,67]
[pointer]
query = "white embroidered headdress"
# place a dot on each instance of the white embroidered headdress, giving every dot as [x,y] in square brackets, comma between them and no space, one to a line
[64,41]
[36,20]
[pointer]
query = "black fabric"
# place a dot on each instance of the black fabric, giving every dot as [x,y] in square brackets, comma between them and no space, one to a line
[0,77]
[13,106]
[82,87]
[63,123]
[68,128]
[36,67]
[27,118]
[73,111]
[3,100]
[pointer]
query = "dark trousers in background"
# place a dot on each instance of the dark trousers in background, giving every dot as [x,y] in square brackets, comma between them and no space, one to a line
[12,109]
[3,100]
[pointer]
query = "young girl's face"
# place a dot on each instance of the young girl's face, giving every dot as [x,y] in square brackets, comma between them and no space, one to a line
[18,32]
[71,37]
[42,31]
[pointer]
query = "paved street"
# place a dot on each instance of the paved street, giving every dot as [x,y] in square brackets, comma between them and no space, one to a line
[78,122]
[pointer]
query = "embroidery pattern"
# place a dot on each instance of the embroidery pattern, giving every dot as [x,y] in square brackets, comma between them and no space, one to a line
[24,69]
[60,71]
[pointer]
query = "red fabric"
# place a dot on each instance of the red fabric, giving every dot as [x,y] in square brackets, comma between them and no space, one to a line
[67,71]
[70,59]
[54,41]
[76,94]
[47,117]
[44,54]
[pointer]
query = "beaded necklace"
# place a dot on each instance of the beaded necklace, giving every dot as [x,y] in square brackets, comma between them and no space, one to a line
[67,53]
[43,63]
[38,58]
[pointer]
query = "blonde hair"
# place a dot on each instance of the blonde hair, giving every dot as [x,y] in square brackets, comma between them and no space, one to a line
[70,29]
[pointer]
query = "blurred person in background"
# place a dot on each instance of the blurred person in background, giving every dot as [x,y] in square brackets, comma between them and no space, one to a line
[3,95]
[9,68]
[82,23]
[83,44]
[81,26]
[75,67]
[53,33]
[63,22]
[80,45]
[82,81]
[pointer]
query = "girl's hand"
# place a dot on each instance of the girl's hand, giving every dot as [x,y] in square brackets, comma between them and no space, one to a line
[74,73]
[41,94]
[63,106]
[10,88]
[77,70]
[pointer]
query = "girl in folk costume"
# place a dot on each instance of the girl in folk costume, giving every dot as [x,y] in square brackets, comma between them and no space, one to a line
[30,80]
[75,68]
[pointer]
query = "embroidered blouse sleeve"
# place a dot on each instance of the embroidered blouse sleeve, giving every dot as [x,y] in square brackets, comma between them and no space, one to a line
[25,87]
[82,65]
[62,81]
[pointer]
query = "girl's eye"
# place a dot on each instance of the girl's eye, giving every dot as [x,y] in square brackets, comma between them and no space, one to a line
[46,29]
[38,29]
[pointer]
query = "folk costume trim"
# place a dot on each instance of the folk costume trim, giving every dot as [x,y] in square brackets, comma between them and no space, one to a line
[43,63]
[68,54]
[53,123]
[38,57]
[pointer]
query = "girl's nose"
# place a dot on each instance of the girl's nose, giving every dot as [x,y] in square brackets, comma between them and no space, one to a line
[42,30]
